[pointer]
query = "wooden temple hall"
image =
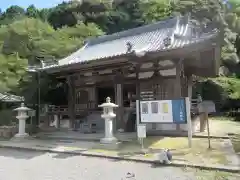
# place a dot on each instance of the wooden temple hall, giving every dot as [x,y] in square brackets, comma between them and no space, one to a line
[155,61]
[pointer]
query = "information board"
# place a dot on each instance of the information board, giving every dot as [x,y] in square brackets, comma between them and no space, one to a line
[163,111]
[207,106]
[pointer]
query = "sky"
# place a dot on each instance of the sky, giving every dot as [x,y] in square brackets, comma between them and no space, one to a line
[4,4]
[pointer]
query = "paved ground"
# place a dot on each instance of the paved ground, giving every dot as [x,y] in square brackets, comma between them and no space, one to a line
[26,165]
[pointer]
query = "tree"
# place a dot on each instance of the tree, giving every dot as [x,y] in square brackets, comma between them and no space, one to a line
[32,12]
[14,11]
[66,40]
[44,14]
[11,14]
[133,11]
[62,15]
[156,10]
[12,69]
[33,40]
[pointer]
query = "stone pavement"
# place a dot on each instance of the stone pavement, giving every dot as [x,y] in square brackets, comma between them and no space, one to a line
[87,149]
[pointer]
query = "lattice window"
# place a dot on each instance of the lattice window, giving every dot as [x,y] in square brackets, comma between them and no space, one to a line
[154,90]
[160,91]
[82,98]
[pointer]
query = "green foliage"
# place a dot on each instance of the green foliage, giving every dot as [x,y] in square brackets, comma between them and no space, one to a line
[156,10]
[31,35]
[12,13]
[32,12]
[219,90]
[62,15]
[230,86]
[30,40]
[12,68]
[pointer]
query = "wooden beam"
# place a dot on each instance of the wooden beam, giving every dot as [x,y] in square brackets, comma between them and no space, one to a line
[137,82]
[124,71]
[115,68]
[113,64]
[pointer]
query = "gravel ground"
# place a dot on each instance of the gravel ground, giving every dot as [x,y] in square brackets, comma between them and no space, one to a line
[28,165]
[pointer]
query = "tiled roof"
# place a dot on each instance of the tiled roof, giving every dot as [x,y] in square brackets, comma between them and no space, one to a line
[6,97]
[164,35]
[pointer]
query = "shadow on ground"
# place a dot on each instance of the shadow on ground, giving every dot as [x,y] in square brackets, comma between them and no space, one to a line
[19,154]
[64,156]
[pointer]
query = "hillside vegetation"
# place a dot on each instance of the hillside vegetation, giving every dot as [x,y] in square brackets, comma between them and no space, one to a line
[28,36]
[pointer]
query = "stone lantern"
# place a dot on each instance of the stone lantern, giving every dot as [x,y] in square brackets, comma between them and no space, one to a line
[108,115]
[22,117]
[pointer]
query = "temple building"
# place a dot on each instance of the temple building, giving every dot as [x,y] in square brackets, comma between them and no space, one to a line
[155,61]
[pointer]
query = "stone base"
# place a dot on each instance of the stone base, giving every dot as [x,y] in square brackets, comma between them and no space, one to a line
[112,140]
[21,137]
[110,143]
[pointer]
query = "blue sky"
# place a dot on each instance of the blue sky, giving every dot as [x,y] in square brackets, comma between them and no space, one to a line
[4,4]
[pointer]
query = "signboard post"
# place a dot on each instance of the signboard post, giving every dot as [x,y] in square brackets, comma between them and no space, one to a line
[207,107]
[141,132]
[189,121]
[141,128]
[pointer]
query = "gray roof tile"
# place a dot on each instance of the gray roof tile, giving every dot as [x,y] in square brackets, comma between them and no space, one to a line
[149,38]
[6,97]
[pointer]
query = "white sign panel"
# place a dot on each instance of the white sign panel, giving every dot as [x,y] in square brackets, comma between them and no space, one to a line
[141,131]
[156,111]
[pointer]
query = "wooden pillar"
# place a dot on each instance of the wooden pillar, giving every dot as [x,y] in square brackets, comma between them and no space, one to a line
[94,98]
[189,87]
[156,82]
[138,94]
[119,100]
[71,101]
[178,85]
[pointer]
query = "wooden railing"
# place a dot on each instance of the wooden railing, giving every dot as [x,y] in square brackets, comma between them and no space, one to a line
[57,109]
[79,108]
[91,106]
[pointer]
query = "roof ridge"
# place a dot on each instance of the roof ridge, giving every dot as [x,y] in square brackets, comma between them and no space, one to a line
[134,31]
